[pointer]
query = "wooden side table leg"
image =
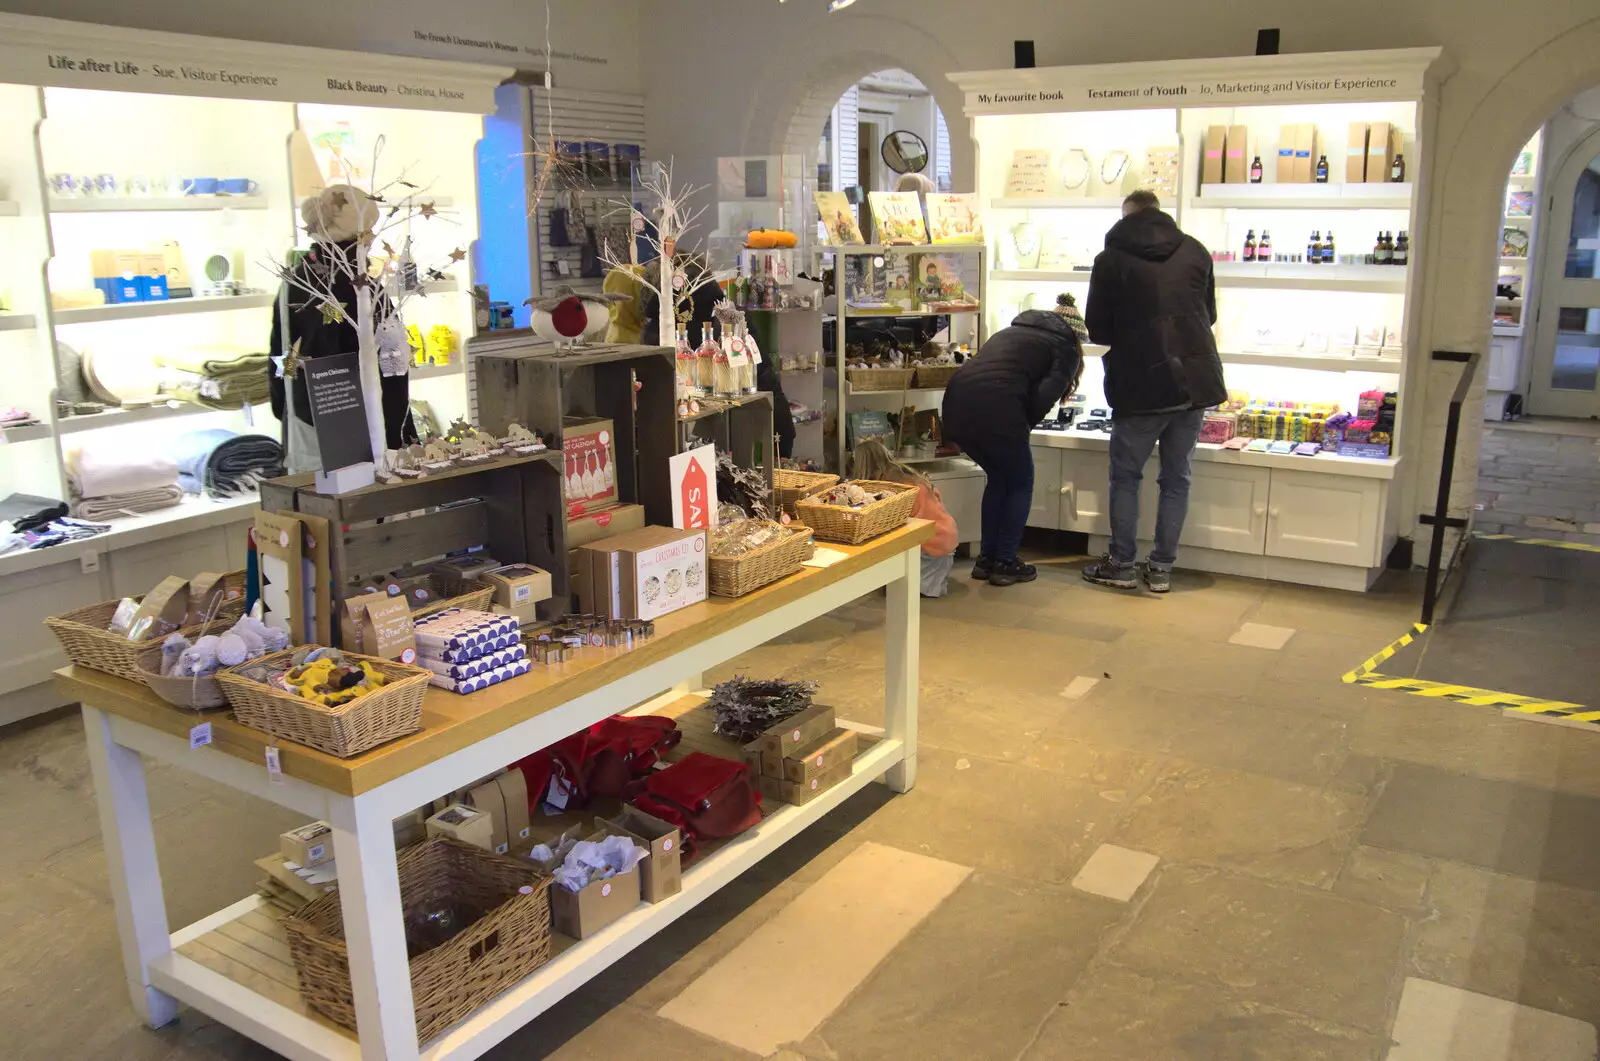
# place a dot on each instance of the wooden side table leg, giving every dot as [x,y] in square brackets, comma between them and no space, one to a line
[374,929]
[901,667]
[135,877]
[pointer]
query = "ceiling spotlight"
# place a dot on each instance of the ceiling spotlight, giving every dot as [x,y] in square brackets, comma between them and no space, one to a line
[839,5]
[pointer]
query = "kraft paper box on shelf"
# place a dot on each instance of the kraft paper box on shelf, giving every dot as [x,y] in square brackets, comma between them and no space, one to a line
[590,479]
[603,523]
[1285,171]
[796,732]
[1236,161]
[799,793]
[488,798]
[1381,137]
[514,791]
[661,872]
[376,624]
[1211,154]
[518,584]
[1305,152]
[410,828]
[819,756]
[309,845]
[153,275]
[643,574]
[1355,160]
[582,913]
[461,822]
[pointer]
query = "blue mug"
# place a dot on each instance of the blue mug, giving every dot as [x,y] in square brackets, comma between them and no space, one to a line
[238,186]
[200,186]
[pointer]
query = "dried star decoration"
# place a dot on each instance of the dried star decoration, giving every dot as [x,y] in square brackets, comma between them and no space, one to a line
[427,209]
[332,312]
[458,255]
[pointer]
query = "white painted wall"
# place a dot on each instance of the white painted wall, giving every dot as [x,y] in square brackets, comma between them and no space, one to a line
[1513,67]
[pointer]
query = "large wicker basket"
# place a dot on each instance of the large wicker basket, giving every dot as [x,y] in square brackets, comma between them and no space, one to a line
[852,526]
[933,377]
[83,634]
[202,692]
[734,576]
[449,982]
[879,379]
[476,598]
[789,486]
[347,730]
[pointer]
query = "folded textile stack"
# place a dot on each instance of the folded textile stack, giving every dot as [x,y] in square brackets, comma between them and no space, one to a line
[13,417]
[218,379]
[110,480]
[220,463]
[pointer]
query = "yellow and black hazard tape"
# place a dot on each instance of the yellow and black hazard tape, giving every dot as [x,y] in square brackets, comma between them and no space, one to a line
[1512,704]
[1549,543]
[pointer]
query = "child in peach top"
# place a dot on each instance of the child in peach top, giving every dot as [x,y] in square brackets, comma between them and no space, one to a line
[871,460]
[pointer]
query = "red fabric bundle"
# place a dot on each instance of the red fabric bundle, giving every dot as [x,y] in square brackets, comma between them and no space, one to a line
[704,796]
[599,761]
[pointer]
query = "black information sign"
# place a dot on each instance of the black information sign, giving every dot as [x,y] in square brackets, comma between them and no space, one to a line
[337,410]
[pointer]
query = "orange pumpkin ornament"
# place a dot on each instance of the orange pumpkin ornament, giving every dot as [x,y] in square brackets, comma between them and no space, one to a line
[761,239]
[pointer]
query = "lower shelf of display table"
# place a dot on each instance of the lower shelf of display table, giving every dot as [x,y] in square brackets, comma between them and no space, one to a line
[228,966]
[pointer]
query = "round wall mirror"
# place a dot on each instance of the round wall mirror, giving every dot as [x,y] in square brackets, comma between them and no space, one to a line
[905,152]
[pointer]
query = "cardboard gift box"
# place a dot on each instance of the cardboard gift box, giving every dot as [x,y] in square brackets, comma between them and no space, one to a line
[309,845]
[1381,137]
[643,574]
[1285,171]
[661,872]
[582,913]
[796,732]
[461,822]
[1212,153]
[799,793]
[1305,152]
[607,522]
[518,585]
[489,799]
[1355,159]
[1236,158]
[819,756]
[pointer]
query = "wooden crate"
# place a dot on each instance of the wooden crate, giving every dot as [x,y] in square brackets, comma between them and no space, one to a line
[524,380]
[743,429]
[511,505]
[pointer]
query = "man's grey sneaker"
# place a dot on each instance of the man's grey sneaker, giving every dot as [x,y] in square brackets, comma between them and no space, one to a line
[1107,572]
[1155,579]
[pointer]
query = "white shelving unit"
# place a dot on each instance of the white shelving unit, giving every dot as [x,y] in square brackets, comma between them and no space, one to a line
[1507,348]
[76,118]
[1315,314]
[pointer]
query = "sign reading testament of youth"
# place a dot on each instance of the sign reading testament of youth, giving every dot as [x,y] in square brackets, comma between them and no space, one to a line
[337,410]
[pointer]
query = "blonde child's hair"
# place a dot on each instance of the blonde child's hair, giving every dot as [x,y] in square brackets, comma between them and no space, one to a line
[871,459]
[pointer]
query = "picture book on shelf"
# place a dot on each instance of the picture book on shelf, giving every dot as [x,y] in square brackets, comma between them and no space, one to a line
[897,217]
[838,219]
[1519,204]
[865,285]
[938,280]
[898,283]
[1514,242]
[954,218]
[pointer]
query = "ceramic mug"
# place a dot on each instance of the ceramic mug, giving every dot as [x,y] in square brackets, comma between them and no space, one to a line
[200,186]
[238,186]
[64,185]
[173,185]
[136,185]
[105,184]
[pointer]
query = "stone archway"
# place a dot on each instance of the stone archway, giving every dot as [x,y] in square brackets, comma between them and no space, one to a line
[1475,153]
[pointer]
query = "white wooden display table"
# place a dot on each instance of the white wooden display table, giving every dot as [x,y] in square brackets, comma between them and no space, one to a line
[464,739]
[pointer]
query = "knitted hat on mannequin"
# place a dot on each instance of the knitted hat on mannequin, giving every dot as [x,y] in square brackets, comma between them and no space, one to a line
[339,213]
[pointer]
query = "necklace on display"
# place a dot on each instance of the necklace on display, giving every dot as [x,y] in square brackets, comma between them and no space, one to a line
[1122,164]
[1083,161]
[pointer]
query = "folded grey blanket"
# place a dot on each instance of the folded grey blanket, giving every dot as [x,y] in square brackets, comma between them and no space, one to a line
[111,506]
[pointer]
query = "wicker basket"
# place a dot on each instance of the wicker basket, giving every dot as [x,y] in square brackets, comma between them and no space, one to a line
[933,377]
[192,693]
[476,598]
[879,379]
[734,576]
[790,486]
[852,526]
[83,634]
[347,730]
[449,982]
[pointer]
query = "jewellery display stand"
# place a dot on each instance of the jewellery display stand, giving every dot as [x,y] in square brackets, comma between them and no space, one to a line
[142,138]
[1286,330]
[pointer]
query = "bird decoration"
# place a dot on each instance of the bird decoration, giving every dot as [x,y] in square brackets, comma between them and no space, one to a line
[567,318]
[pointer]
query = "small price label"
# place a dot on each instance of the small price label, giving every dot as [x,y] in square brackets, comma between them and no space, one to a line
[200,736]
[274,767]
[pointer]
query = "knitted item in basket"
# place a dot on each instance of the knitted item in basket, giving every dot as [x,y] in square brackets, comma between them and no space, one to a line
[88,643]
[852,526]
[789,486]
[508,942]
[190,692]
[394,710]
[734,576]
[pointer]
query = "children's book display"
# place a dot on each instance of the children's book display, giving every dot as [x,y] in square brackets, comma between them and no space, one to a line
[897,217]
[838,219]
[953,218]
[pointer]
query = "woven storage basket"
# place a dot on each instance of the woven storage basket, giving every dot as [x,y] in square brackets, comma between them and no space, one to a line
[934,376]
[349,729]
[200,692]
[734,576]
[790,486]
[879,379]
[852,526]
[83,634]
[475,598]
[453,979]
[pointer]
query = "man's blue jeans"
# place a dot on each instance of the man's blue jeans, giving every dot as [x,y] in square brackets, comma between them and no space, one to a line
[1132,440]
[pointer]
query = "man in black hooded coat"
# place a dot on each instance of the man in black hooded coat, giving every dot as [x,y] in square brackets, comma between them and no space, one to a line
[1152,300]
[990,407]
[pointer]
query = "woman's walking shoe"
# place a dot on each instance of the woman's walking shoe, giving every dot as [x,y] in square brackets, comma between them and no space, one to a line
[1010,572]
[1155,579]
[1107,572]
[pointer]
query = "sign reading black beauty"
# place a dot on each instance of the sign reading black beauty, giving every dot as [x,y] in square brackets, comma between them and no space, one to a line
[337,410]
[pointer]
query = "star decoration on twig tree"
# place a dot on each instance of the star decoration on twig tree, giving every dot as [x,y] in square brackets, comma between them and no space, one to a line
[427,209]
[291,361]
[458,255]
[332,312]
